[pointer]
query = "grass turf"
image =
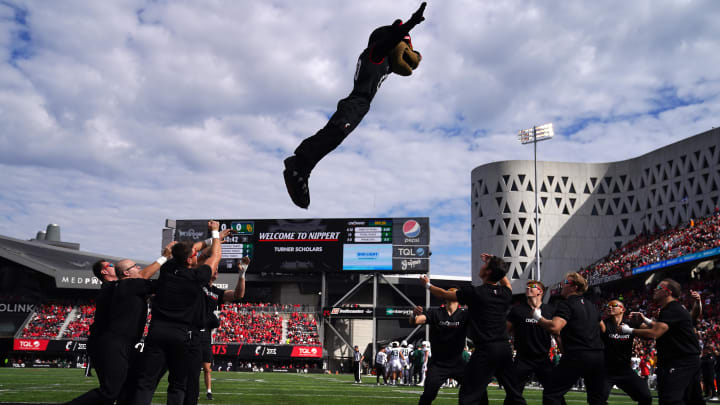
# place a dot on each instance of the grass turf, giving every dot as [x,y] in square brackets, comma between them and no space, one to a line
[60,385]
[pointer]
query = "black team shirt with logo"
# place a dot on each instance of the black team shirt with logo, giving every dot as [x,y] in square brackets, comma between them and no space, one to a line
[679,345]
[618,347]
[531,340]
[447,333]
[582,331]
[179,298]
[488,306]
[213,301]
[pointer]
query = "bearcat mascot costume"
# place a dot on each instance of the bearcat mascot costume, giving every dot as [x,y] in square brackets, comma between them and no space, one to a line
[389,50]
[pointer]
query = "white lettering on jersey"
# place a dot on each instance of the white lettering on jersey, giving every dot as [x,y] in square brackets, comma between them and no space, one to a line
[357,68]
[382,79]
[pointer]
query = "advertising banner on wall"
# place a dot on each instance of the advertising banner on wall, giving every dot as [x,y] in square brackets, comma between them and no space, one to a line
[32,345]
[49,345]
[367,313]
[266,352]
[678,260]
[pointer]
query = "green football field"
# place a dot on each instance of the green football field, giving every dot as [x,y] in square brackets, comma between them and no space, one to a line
[60,385]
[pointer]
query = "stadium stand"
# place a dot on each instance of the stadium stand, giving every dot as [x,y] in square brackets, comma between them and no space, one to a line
[79,325]
[249,324]
[47,321]
[645,249]
[260,323]
[302,329]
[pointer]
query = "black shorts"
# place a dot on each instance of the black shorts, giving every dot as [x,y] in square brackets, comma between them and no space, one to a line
[206,344]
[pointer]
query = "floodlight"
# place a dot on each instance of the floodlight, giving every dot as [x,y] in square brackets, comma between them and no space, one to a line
[534,135]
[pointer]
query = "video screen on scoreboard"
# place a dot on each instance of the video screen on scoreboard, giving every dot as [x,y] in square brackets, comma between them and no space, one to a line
[393,245]
[367,256]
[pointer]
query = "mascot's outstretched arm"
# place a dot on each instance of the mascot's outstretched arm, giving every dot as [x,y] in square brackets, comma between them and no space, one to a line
[389,50]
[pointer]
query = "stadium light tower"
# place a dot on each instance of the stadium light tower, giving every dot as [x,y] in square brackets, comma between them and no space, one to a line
[534,135]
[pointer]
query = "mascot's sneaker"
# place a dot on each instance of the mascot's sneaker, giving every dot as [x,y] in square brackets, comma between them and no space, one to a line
[297,183]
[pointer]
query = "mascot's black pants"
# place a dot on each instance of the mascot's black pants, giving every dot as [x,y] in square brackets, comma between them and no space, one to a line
[680,384]
[110,357]
[350,111]
[589,365]
[437,373]
[519,374]
[628,381]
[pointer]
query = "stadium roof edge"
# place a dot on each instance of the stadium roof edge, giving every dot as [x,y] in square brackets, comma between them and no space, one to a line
[49,259]
[637,157]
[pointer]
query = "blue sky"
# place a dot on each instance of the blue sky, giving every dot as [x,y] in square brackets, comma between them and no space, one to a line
[117,115]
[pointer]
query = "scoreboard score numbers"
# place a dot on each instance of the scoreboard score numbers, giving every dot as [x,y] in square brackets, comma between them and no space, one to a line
[391,245]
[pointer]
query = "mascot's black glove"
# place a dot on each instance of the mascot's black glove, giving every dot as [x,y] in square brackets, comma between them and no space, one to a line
[417,16]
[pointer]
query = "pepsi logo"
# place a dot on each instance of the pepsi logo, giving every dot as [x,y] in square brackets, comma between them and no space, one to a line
[411,228]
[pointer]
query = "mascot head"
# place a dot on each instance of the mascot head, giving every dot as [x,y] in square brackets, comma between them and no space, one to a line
[403,59]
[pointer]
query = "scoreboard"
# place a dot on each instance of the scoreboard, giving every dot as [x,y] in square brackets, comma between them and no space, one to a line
[390,245]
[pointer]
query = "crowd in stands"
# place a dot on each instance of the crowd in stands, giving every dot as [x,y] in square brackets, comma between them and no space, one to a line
[268,307]
[79,327]
[240,324]
[649,248]
[302,329]
[47,321]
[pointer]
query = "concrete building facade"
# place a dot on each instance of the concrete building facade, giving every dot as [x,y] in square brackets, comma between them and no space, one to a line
[588,209]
